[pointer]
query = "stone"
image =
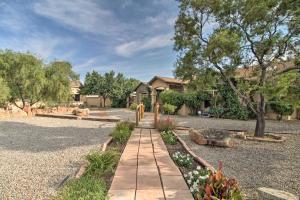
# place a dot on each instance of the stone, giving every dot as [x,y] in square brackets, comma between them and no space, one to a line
[197,137]
[273,194]
[81,112]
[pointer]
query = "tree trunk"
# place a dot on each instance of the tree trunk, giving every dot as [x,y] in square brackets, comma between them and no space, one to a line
[260,118]
[104,100]
[260,125]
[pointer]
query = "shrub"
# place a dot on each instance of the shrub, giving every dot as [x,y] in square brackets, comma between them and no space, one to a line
[169,109]
[196,177]
[217,186]
[193,100]
[282,108]
[84,188]
[147,103]
[133,106]
[216,112]
[166,124]
[183,160]
[172,97]
[118,103]
[169,137]
[101,163]
[122,132]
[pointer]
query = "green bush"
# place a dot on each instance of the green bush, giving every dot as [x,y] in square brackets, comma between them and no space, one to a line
[282,108]
[166,125]
[193,100]
[172,97]
[118,103]
[232,106]
[101,163]
[147,103]
[169,137]
[85,188]
[133,106]
[169,109]
[122,132]
[216,112]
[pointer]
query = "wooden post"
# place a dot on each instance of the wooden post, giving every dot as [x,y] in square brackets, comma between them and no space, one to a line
[156,114]
[137,116]
[142,110]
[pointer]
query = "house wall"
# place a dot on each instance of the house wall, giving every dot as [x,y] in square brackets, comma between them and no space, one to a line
[142,91]
[95,101]
[159,83]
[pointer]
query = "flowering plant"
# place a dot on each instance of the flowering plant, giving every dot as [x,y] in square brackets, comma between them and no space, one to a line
[218,187]
[183,160]
[166,124]
[169,137]
[196,177]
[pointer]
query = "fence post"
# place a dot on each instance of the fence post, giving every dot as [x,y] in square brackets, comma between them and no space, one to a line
[156,109]
[137,116]
[142,110]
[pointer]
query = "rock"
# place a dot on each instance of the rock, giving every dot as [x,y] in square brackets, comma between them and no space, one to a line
[197,137]
[273,194]
[81,112]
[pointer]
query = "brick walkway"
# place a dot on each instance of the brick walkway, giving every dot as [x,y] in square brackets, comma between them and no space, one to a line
[147,172]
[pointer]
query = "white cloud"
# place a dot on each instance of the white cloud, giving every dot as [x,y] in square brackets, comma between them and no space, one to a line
[83,15]
[129,48]
[42,45]
[87,63]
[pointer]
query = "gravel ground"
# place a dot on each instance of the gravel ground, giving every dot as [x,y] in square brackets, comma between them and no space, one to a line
[123,113]
[271,125]
[36,154]
[257,164]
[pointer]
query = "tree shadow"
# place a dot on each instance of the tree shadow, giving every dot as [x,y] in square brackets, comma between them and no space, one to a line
[20,136]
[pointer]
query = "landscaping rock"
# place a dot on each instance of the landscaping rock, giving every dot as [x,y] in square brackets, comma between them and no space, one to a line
[81,112]
[273,194]
[197,137]
[212,137]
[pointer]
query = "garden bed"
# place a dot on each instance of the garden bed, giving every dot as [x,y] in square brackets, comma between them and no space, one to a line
[202,179]
[94,178]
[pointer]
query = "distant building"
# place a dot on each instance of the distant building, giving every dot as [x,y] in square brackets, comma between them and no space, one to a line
[75,89]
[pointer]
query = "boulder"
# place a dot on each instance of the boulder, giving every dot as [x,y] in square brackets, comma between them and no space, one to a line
[81,112]
[197,137]
[213,137]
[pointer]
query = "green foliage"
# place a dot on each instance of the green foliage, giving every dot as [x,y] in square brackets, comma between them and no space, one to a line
[101,163]
[182,160]
[58,76]
[282,108]
[147,103]
[110,85]
[169,109]
[122,132]
[232,107]
[193,100]
[85,188]
[169,137]
[243,33]
[216,112]
[133,106]
[166,125]
[29,81]
[172,97]
[196,178]
[4,92]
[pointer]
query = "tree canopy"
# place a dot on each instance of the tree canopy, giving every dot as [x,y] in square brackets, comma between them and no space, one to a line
[110,85]
[29,80]
[227,34]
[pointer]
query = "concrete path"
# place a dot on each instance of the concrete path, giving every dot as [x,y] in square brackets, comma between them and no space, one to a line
[147,172]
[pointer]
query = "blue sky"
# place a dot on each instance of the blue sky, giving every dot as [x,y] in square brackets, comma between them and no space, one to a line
[128,36]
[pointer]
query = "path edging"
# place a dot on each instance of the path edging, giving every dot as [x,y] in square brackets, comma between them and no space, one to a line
[83,166]
[199,159]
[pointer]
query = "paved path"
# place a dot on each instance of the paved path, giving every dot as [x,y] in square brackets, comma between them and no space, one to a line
[146,171]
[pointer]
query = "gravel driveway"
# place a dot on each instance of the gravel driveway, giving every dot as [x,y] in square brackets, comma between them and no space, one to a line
[271,125]
[257,164]
[36,154]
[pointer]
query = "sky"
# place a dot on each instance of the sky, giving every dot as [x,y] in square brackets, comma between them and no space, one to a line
[133,37]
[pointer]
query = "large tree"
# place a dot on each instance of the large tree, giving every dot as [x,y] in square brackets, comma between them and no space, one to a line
[24,75]
[4,91]
[59,75]
[227,34]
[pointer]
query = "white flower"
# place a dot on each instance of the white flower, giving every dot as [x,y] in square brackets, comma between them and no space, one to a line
[185,175]
[198,167]
[189,181]
[203,177]
[195,172]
